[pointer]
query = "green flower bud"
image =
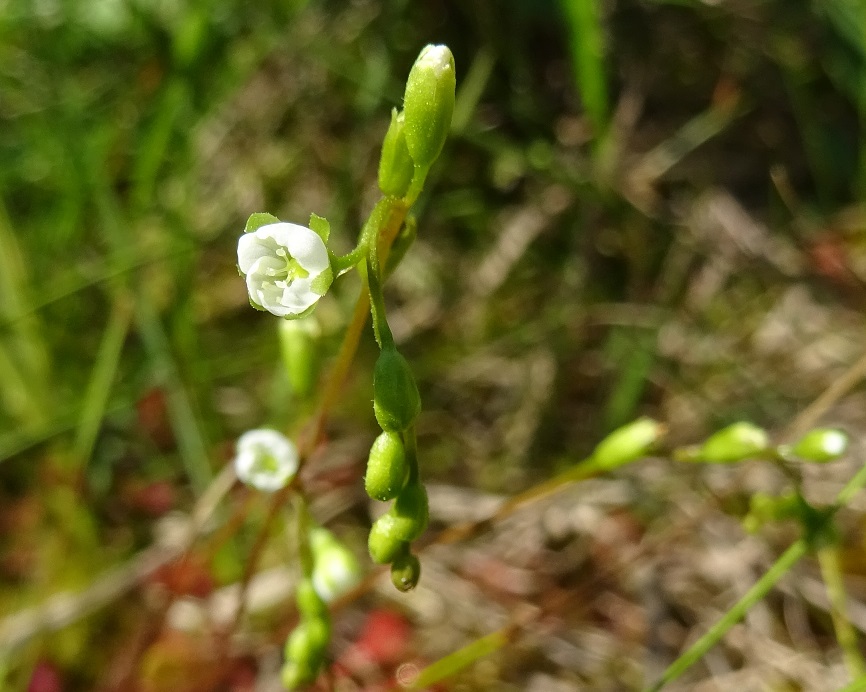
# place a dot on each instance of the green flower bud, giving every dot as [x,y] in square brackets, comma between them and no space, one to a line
[405,572]
[428,104]
[299,351]
[383,545]
[821,445]
[395,164]
[310,603]
[396,402]
[386,467]
[407,519]
[627,443]
[307,643]
[736,442]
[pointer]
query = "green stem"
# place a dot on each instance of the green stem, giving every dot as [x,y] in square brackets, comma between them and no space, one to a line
[372,233]
[760,589]
[351,259]
[831,572]
[302,526]
[410,442]
[418,177]
[763,586]
[457,661]
[377,303]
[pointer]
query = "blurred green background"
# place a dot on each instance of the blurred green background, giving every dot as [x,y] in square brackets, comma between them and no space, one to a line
[645,207]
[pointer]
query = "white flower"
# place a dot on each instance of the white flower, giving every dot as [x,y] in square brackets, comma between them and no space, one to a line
[266,459]
[286,267]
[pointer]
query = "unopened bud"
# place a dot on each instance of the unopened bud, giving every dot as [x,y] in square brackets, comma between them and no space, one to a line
[335,571]
[383,545]
[307,643]
[386,467]
[821,445]
[410,513]
[310,603]
[294,675]
[395,164]
[405,572]
[628,443]
[429,104]
[737,442]
[396,402]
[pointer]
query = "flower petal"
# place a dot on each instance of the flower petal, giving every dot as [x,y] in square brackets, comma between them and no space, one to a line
[302,243]
[251,248]
[263,256]
[266,459]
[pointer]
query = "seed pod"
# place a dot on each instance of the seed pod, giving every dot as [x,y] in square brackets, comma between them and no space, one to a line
[396,402]
[737,442]
[383,545]
[395,164]
[386,467]
[428,103]
[405,572]
[821,445]
[628,443]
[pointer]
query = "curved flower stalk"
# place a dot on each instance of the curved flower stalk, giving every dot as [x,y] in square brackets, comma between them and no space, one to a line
[266,459]
[286,267]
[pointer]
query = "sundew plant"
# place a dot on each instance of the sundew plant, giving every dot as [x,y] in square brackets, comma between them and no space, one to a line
[329,361]
[288,268]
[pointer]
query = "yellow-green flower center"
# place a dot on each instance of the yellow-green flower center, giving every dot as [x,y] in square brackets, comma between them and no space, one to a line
[293,269]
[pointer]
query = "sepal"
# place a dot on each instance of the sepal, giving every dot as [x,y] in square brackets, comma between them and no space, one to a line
[259,219]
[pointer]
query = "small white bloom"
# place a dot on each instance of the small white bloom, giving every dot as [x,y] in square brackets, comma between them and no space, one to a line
[266,460]
[286,267]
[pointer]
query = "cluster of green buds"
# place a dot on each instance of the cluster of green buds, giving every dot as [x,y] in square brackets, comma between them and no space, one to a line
[331,570]
[413,142]
[392,469]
